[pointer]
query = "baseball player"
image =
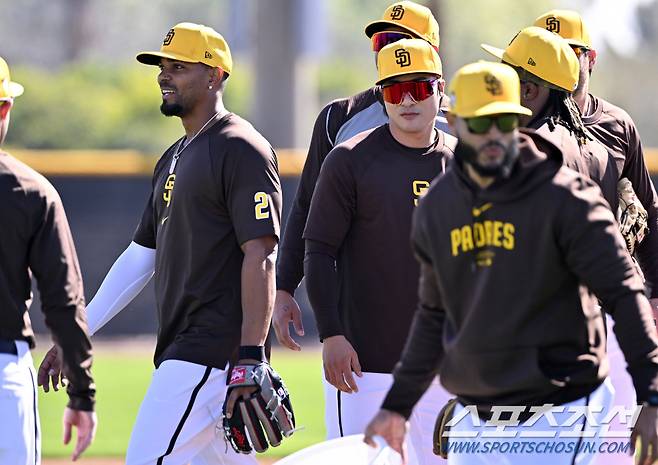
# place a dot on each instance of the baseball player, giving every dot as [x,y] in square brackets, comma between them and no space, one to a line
[548,70]
[615,129]
[337,122]
[506,330]
[35,239]
[209,233]
[361,275]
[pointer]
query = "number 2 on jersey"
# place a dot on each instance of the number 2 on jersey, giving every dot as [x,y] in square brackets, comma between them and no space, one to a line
[262,205]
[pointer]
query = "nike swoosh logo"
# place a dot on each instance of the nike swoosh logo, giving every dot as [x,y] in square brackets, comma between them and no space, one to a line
[478,211]
[163,220]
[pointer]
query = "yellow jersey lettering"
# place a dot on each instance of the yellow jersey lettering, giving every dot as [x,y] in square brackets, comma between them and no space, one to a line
[467,238]
[497,233]
[485,258]
[508,236]
[262,205]
[169,188]
[455,240]
[419,188]
[478,234]
[486,235]
[488,231]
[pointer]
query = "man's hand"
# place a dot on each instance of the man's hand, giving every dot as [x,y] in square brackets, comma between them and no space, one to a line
[287,310]
[340,359]
[86,423]
[646,429]
[392,427]
[50,370]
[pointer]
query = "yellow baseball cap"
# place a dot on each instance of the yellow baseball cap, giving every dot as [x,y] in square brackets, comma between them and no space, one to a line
[8,88]
[542,54]
[412,17]
[568,24]
[193,43]
[407,56]
[486,88]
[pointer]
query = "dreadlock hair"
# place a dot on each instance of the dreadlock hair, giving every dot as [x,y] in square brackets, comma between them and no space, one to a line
[566,112]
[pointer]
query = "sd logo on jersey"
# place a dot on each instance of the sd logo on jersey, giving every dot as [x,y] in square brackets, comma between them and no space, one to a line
[419,188]
[168,188]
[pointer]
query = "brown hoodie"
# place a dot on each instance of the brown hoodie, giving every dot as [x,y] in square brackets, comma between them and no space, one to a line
[505,316]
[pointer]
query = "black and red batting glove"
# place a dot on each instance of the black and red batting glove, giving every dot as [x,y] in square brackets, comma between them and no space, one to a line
[263,419]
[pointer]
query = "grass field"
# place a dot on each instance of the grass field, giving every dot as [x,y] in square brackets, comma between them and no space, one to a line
[122,377]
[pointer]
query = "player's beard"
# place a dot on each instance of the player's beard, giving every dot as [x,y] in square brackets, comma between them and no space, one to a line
[172,109]
[468,154]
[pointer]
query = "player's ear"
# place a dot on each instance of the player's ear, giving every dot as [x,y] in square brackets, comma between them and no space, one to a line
[529,91]
[215,77]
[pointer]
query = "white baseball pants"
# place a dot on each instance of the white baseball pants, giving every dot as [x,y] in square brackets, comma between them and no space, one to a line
[20,435]
[347,414]
[177,421]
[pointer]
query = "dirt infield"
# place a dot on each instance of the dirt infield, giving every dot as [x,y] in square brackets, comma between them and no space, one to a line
[117,461]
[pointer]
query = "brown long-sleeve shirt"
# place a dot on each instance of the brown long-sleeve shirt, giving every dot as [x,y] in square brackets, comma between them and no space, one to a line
[338,122]
[361,213]
[35,239]
[615,129]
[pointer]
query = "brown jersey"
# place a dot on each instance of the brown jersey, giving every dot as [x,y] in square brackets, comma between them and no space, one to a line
[615,129]
[223,191]
[505,316]
[338,122]
[367,190]
[35,238]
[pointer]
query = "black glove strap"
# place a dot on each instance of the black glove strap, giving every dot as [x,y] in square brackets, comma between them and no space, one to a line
[252,352]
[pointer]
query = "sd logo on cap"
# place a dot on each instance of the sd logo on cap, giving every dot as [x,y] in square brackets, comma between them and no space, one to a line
[413,18]
[192,43]
[408,56]
[485,88]
[543,55]
[568,24]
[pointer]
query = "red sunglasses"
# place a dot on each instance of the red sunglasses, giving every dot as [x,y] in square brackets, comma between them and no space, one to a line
[419,90]
[382,39]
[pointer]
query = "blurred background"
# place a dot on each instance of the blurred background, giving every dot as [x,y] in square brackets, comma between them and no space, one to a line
[90,120]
